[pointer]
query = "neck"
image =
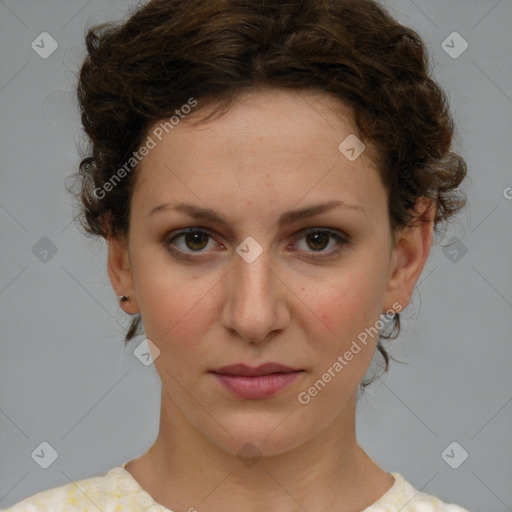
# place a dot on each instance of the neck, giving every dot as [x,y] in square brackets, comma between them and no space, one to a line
[184,470]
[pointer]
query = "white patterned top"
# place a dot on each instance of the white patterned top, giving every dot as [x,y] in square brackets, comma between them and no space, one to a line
[118,491]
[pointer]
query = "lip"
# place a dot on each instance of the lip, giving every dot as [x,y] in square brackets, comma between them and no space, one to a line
[241,369]
[256,382]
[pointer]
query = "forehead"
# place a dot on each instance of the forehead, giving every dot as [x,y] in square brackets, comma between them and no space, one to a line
[270,142]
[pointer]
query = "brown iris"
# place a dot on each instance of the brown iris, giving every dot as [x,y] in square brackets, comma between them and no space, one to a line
[318,240]
[196,241]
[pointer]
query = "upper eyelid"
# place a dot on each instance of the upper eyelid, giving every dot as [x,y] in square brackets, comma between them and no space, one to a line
[331,231]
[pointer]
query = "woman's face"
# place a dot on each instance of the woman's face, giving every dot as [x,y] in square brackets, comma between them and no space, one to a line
[265,283]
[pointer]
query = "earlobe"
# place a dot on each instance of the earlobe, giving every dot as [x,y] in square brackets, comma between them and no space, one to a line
[411,253]
[120,274]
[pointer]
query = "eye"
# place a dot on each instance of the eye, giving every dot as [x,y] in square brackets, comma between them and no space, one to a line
[191,240]
[186,242]
[324,241]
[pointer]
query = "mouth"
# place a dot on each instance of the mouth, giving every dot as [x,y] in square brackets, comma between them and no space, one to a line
[257,382]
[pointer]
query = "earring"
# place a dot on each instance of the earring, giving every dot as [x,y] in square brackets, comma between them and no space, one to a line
[122,298]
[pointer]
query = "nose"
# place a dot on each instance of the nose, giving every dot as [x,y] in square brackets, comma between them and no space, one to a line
[255,305]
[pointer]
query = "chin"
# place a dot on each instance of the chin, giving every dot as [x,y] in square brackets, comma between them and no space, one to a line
[259,435]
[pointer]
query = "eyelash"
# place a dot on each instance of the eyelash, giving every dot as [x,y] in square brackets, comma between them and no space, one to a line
[342,241]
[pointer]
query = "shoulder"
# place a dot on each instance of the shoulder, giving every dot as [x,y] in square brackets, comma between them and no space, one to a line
[404,497]
[108,493]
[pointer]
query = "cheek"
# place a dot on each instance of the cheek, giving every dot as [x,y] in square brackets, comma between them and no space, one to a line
[176,307]
[348,305]
[347,348]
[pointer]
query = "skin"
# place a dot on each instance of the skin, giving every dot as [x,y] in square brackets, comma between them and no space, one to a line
[274,151]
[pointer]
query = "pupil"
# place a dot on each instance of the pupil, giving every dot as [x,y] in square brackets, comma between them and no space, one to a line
[193,240]
[315,240]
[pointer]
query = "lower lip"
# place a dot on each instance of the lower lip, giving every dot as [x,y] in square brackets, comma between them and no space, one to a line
[261,386]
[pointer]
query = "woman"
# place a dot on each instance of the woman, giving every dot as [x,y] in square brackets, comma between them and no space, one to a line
[268,177]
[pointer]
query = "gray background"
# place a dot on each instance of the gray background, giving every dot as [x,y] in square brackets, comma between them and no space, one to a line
[65,376]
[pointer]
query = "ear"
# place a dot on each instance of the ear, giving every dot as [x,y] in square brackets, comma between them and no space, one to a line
[120,274]
[411,251]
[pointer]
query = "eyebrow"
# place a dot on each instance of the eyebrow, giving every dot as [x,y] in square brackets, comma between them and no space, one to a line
[207,214]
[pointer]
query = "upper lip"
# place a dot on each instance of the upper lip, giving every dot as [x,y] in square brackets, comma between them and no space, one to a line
[253,371]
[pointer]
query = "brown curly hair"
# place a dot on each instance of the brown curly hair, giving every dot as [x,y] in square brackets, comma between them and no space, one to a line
[140,70]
